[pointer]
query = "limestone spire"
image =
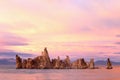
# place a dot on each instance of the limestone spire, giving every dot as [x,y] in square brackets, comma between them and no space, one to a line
[109,64]
[18,62]
[45,54]
[91,64]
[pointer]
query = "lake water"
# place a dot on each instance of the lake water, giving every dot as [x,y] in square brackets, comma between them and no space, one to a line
[62,74]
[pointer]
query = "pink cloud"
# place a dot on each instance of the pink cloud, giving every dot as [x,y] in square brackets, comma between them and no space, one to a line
[73,25]
[9,39]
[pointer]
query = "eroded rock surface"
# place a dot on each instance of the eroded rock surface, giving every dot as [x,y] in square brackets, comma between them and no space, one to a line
[91,64]
[79,64]
[18,62]
[44,62]
[67,63]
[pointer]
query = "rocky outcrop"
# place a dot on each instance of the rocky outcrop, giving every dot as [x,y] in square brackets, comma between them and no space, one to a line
[18,62]
[74,65]
[83,64]
[79,64]
[109,64]
[67,62]
[46,59]
[56,63]
[60,64]
[91,64]
[43,62]
[39,62]
[24,64]
[30,64]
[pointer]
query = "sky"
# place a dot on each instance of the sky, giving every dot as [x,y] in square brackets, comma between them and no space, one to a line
[78,28]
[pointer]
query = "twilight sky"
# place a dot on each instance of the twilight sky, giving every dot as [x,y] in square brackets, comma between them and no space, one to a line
[78,28]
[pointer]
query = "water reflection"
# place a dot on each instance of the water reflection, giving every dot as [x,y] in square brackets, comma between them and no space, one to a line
[65,74]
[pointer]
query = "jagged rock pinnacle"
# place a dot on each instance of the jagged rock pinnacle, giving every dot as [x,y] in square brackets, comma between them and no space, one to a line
[109,64]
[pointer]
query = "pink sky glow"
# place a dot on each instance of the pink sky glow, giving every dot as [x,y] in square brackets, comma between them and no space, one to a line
[79,28]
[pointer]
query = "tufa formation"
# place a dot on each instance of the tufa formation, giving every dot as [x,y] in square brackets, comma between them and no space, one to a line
[44,62]
[18,62]
[109,64]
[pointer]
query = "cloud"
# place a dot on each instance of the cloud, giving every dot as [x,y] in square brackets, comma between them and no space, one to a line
[118,35]
[104,46]
[101,53]
[16,43]
[12,54]
[112,23]
[116,53]
[10,39]
[117,43]
[35,23]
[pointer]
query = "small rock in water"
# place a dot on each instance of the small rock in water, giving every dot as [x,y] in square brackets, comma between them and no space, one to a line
[109,64]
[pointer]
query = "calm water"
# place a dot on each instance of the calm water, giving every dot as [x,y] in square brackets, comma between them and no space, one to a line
[65,74]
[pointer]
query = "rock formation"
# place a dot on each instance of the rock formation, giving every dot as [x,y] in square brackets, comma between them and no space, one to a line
[46,59]
[79,64]
[29,64]
[62,64]
[109,64]
[67,62]
[74,65]
[43,62]
[83,64]
[57,63]
[24,64]
[18,62]
[91,64]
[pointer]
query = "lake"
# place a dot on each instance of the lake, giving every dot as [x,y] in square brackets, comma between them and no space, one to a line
[60,74]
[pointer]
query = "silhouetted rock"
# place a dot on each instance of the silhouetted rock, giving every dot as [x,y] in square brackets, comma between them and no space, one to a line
[18,62]
[109,64]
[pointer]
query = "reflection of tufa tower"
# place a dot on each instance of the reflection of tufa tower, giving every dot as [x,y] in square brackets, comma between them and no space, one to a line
[109,64]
